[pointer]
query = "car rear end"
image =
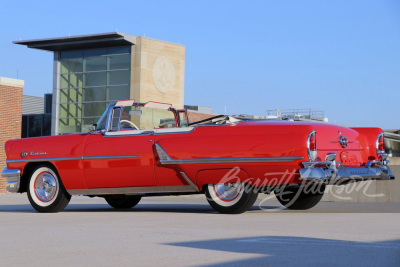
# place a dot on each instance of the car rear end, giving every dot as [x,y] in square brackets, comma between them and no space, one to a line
[339,155]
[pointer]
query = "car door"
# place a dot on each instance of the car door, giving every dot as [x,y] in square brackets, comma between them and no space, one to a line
[119,159]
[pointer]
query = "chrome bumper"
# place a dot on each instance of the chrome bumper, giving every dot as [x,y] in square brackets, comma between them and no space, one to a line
[13,177]
[334,172]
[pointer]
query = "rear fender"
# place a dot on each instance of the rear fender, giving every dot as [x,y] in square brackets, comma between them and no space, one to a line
[216,176]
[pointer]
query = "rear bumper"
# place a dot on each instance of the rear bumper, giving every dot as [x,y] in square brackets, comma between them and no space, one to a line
[333,172]
[13,177]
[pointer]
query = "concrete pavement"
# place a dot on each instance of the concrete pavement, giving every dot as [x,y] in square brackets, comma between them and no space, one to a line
[185,231]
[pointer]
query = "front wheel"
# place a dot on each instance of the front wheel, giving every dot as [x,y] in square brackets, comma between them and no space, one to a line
[231,198]
[46,193]
[300,198]
[122,201]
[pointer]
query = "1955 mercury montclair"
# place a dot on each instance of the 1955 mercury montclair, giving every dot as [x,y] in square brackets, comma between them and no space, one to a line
[146,149]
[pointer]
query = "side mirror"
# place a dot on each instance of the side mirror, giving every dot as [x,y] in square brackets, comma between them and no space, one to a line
[93,128]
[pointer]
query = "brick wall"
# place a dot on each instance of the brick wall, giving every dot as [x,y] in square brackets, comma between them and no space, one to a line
[10,119]
[195,116]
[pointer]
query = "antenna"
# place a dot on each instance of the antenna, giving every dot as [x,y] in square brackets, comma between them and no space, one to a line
[225,109]
[17,73]
[116,29]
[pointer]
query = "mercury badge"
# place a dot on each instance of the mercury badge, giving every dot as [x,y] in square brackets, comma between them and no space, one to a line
[37,153]
[343,141]
[24,154]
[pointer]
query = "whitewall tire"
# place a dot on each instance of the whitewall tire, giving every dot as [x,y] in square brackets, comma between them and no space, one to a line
[231,198]
[46,192]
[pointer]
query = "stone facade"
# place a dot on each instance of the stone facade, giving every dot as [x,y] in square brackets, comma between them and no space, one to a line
[158,72]
[10,120]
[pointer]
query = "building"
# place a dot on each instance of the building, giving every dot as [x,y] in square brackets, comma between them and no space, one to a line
[36,115]
[91,71]
[10,121]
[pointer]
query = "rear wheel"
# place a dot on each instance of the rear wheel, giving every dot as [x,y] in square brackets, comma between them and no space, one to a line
[300,198]
[122,201]
[46,193]
[231,198]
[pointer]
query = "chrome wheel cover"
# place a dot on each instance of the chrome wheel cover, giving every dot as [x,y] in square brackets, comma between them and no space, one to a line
[226,194]
[45,186]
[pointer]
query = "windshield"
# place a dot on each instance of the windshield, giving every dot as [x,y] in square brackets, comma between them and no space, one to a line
[101,124]
[140,118]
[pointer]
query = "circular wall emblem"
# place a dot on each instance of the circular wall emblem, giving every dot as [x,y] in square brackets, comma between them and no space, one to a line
[343,141]
[163,74]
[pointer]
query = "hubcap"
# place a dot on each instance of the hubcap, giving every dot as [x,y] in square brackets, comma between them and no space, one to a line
[228,192]
[45,187]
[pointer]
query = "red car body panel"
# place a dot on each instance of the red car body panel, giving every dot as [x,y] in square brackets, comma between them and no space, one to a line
[248,139]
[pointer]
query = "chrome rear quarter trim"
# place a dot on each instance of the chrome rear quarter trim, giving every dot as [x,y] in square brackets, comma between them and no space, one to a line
[166,159]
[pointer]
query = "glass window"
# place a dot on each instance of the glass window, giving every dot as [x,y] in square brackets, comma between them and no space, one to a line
[148,118]
[46,131]
[93,109]
[71,80]
[71,65]
[94,94]
[71,95]
[119,50]
[119,77]
[95,63]
[71,54]
[95,52]
[119,92]
[95,79]
[89,80]
[120,62]
[24,131]
[70,125]
[70,110]
[35,125]
[182,119]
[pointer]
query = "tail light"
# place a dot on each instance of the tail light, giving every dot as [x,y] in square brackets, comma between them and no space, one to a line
[312,146]
[380,143]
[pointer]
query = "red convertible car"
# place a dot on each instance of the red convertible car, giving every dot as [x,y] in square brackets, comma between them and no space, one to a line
[147,149]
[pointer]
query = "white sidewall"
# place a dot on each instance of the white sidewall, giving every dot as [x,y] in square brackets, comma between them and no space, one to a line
[219,201]
[32,187]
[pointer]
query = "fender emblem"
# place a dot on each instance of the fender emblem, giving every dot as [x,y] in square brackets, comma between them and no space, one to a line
[37,153]
[343,141]
[24,154]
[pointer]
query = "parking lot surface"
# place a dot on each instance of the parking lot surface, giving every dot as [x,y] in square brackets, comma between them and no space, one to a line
[185,231]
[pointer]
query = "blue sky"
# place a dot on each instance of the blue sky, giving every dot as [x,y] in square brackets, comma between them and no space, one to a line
[339,56]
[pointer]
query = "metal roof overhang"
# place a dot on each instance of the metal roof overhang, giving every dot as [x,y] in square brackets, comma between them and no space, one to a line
[80,41]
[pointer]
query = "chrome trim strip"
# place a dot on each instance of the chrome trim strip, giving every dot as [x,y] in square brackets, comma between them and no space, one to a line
[111,157]
[189,181]
[133,190]
[165,159]
[73,158]
[13,177]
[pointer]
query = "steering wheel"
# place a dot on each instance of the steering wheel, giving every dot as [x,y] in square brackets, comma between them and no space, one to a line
[130,124]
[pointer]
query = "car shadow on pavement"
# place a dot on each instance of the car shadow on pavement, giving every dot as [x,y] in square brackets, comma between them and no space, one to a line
[299,251]
[166,208]
[96,207]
